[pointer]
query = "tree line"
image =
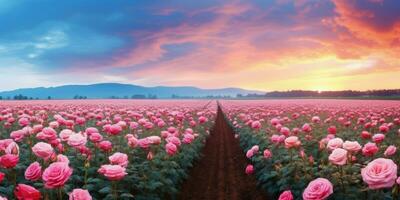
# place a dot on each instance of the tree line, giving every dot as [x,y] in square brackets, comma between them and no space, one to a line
[342,93]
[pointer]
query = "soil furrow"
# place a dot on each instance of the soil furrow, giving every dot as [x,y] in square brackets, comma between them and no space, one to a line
[220,173]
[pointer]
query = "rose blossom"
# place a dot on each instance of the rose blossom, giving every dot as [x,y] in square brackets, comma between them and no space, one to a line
[338,156]
[380,173]
[43,150]
[33,172]
[378,138]
[23,192]
[80,194]
[267,154]
[286,195]
[318,189]
[113,172]
[56,175]
[249,169]
[171,148]
[95,137]
[105,145]
[77,140]
[119,159]
[369,149]
[390,150]
[292,142]
[65,134]
[334,143]
[12,148]
[9,161]
[62,158]
[352,146]
[2,176]
[306,128]
[249,153]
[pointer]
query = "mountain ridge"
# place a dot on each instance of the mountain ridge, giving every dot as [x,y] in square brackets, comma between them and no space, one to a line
[122,90]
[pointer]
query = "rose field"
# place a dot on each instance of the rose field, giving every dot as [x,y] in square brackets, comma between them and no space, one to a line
[199,149]
[99,149]
[320,149]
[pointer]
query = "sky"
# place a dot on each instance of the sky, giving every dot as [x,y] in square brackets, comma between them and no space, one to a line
[260,44]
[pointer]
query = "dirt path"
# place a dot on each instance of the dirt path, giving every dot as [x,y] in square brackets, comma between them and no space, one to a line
[220,173]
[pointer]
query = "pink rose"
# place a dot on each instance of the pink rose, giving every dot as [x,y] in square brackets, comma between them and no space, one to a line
[25,192]
[249,153]
[255,148]
[338,156]
[249,169]
[43,150]
[144,143]
[2,175]
[119,159]
[334,144]
[378,138]
[9,161]
[91,130]
[306,128]
[114,129]
[62,158]
[105,145]
[33,172]
[95,137]
[256,125]
[171,148]
[332,130]
[275,139]
[56,175]
[64,134]
[18,135]
[286,195]
[113,172]
[154,139]
[188,138]
[174,140]
[365,135]
[267,154]
[47,134]
[369,149]
[318,189]
[12,148]
[77,140]
[285,131]
[23,121]
[390,150]
[380,173]
[292,142]
[80,194]
[352,146]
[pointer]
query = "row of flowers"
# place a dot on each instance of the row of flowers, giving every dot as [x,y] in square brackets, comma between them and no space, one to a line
[307,151]
[84,151]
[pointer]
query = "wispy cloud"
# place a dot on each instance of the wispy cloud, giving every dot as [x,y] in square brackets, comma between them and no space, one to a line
[280,44]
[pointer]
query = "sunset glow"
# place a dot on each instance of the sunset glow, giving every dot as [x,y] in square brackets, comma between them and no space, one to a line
[263,45]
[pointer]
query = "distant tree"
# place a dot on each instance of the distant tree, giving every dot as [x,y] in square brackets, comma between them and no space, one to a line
[49,97]
[1,98]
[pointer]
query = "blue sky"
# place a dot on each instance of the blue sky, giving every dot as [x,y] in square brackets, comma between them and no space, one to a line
[266,45]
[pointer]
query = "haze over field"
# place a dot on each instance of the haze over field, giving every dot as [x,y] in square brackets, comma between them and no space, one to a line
[257,45]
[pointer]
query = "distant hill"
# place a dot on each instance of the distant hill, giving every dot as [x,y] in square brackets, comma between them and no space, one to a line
[117,90]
